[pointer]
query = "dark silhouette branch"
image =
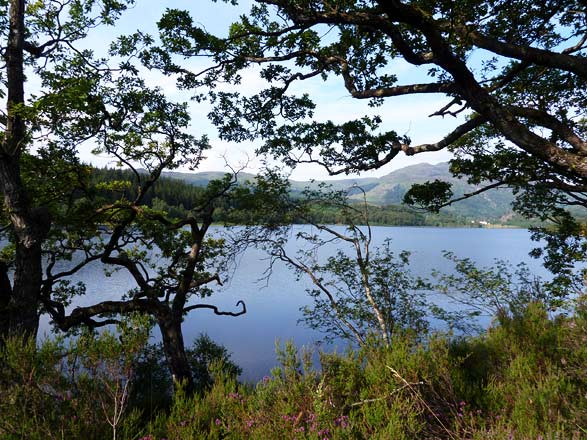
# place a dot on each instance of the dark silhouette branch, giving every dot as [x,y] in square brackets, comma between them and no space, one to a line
[216,311]
[207,280]
[478,98]
[474,193]
[410,89]
[546,120]
[457,133]
[395,148]
[85,315]
[541,57]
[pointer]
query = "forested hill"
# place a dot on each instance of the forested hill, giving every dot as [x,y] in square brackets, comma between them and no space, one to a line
[493,205]
[177,191]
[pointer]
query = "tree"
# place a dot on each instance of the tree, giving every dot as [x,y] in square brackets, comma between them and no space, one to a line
[516,70]
[40,40]
[56,217]
[360,293]
[528,49]
[358,290]
[170,262]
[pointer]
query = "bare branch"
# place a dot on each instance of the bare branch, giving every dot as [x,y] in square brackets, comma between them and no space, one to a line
[72,270]
[42,51]
[85,315]
[471,194]
[541,57]
[123,261]
[445,110]
[410,89]
[205,281]
[215,309]
[282,255]
[576,47]
[456,134]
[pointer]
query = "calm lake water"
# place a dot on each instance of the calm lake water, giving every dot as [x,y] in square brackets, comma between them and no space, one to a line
[273,306]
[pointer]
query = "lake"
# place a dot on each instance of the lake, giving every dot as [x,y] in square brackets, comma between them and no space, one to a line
[273,306]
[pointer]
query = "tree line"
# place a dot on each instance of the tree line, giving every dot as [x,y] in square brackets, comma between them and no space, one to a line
[177,197]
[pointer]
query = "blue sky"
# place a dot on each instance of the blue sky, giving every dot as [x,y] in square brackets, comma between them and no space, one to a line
[406,115]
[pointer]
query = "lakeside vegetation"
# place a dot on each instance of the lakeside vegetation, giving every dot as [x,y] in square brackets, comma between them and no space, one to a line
[524,378]
[512,76]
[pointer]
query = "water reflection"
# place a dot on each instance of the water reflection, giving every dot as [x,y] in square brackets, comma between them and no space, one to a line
[273,305]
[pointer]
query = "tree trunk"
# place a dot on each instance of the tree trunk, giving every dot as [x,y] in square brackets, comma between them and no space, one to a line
[5,295]
[30,226]
[24,303]
[173,346]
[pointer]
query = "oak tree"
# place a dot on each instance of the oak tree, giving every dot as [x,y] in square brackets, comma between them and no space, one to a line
[517,69]
[514,72]
[44,41]
[56,220]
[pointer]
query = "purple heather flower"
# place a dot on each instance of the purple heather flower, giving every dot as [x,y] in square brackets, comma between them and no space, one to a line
[342,421]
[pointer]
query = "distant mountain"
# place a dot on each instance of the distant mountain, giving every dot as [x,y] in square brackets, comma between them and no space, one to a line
[490,205]
[493,205]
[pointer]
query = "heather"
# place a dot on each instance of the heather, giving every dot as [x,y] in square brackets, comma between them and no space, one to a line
[524,378]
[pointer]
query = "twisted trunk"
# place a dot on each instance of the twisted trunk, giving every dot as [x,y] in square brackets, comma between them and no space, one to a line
[170,326]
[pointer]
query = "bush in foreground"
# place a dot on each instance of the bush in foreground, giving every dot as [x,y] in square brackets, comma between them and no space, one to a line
[522,379]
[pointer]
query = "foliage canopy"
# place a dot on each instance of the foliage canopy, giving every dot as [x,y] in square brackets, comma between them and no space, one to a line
[514,72]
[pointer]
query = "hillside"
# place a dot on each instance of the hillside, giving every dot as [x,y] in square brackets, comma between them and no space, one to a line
[493,205]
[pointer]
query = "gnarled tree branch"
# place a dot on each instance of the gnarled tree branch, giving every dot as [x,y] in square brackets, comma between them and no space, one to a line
[216,310]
